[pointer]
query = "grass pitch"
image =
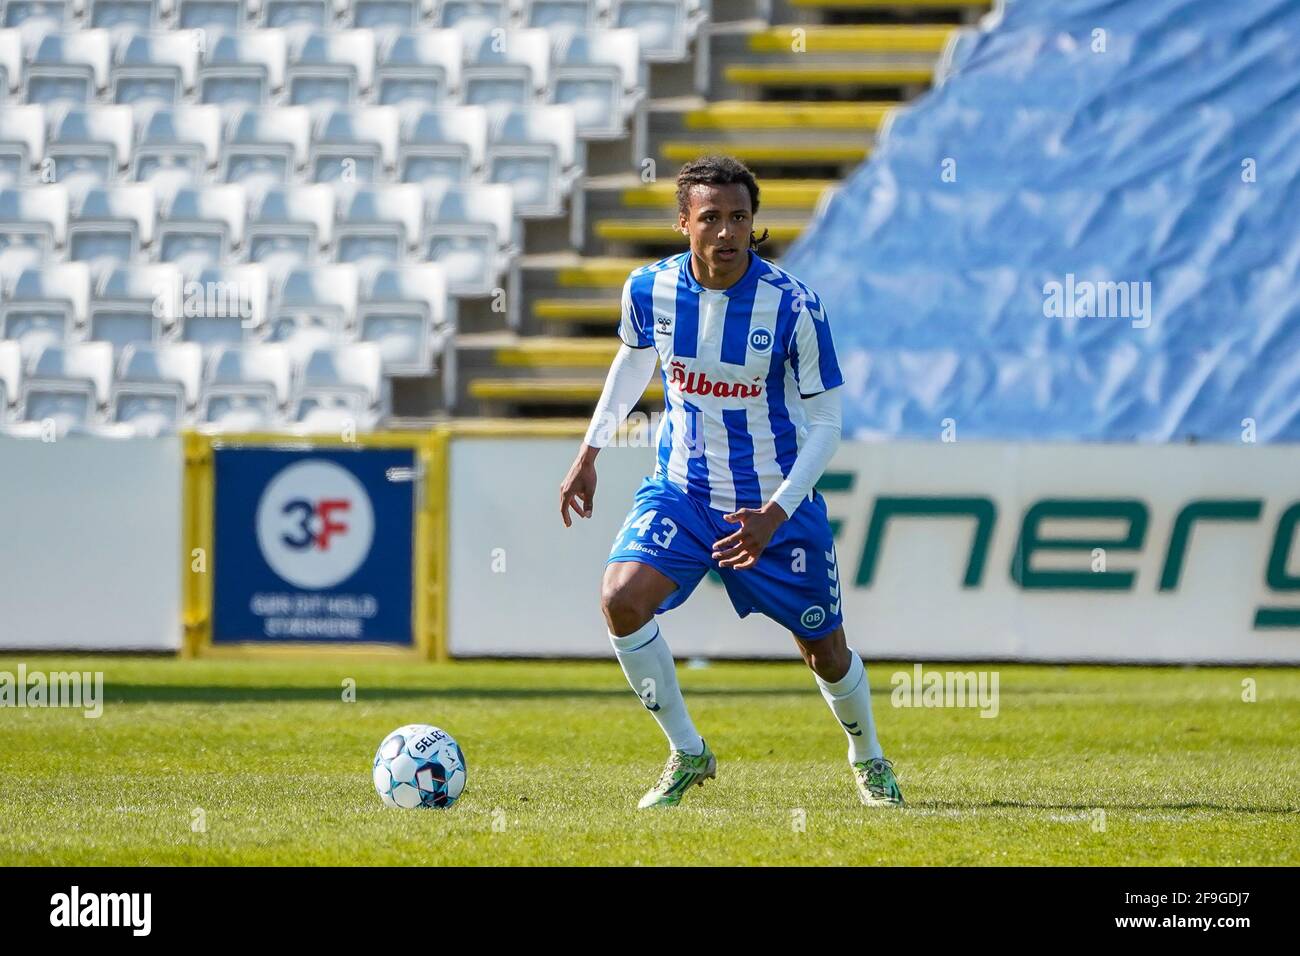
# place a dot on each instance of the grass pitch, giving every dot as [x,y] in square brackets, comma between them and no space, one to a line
[1082,766]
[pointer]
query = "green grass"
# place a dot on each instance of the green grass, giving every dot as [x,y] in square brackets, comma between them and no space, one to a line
[559,753]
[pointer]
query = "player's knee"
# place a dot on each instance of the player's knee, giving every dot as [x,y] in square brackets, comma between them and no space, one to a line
[624,608]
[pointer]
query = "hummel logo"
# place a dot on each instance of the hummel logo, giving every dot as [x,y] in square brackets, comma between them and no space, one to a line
[663,323]
[852,728]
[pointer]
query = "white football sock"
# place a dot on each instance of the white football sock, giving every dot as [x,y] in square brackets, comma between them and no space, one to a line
[648,664]
[850,701]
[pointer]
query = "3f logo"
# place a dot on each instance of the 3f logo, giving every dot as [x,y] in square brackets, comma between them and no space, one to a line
[315,523]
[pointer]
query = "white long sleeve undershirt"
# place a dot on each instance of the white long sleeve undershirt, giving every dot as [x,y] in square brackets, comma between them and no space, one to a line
[629,374]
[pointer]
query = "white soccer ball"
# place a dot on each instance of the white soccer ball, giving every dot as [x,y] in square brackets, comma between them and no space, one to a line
[419,766]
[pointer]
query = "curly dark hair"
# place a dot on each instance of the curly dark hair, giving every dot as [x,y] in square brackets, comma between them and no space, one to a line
[718,171]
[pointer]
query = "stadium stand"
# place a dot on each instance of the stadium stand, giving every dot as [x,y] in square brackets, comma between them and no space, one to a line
[386,209]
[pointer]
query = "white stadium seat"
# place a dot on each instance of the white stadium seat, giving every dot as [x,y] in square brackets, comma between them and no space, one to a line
[419,68]
[511,68]
[68,384]
[266,147]
[382,15]
[135,304]
[340,387]
[331,69]
[46,306]
[224,305]
[664,26]
[158,69]
[536,151]
[202,226]
[33,225]
[213,16]
[112,224]
[11,378]
[407,313]
[471,232]
[599,75]
[125,16]
[22,143]
[297,16]
[472,15]
[90,146]
[156,386]
[246,387]
[443,145]
[558,17]
[288,226]
[355,145]
[177,147]
[11,63]
[35,18]
[244,69]
[378,224]
[69,68]
[314,307]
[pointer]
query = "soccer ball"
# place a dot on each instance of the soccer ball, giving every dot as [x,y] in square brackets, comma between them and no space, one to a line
[419,766]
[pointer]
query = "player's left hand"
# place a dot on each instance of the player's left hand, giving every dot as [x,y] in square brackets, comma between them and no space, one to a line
[757,525]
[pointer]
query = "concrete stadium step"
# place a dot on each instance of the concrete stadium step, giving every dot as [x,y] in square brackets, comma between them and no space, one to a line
[757,115]
[853,38]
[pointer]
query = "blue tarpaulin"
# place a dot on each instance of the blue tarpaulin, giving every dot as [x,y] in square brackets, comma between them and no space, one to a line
[1090,230]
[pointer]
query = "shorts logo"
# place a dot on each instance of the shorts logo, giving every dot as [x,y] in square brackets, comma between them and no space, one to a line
[815,616]
[760,340]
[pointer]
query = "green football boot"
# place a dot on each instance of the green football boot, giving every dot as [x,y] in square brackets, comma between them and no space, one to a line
[877,785]
[683,769]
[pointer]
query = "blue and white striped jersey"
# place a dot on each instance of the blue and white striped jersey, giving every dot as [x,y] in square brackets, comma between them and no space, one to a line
[734,363]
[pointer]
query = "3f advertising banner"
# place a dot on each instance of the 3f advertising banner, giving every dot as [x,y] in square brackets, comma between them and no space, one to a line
[313,546]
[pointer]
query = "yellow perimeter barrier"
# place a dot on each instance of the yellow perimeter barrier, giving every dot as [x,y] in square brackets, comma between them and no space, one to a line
[432,449]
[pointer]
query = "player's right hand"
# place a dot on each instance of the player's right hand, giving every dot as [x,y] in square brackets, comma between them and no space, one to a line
[578,490]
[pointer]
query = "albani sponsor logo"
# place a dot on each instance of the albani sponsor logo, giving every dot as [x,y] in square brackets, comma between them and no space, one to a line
[697,383]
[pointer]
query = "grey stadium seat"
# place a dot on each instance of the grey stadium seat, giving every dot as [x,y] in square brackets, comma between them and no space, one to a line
[383,15]
[225,305]
[243,69]
[511,69]
[11,64]
[112,224]
[419,68]
[202,225]
[297,15]
[315,307]
[536,151]
[158,69]
[68,384]
[137,303]
[407,312]
[339,387]
[90,146]
[664,26]
[177,146]
[266,147]
[46,306]
[331,69]
[355,145]
[472,15]
[125,16]
[558,17]
[288,226]
[33,225]
[600,75]
[245,388]
[156,386]
[69,68]
[471,232]
[379,224]
[214,16]
[443,145]
[11,378]
[22,143]
[35,18]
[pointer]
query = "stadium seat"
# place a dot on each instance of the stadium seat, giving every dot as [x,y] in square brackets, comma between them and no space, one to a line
[177,147]
[357,145]
[314,307]
[558,17]
[443,145]
[378,224]
[125,16]
[472,16]
[245,388]
[266,147]
[135,304]
[90,146]
[405,311]
[535,150]
[35,18]
[339,387]
[383,15]
[288,226]
[225,305]
[156,386]
[68,384]
[213,16]
[331,69]
[69,68]
[513,69]
[419,69]
[46,306]
[11,64]
[471,232]
[158,69]
[112,224]
[599,75]
[202,226]
[11,378]
[297,16]
[665,27]
[33,225]
[22,143]
[244,69]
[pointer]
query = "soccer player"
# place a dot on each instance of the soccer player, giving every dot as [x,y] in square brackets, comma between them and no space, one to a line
[752,417]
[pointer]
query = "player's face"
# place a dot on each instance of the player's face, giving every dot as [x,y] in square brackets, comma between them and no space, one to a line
[718,223]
